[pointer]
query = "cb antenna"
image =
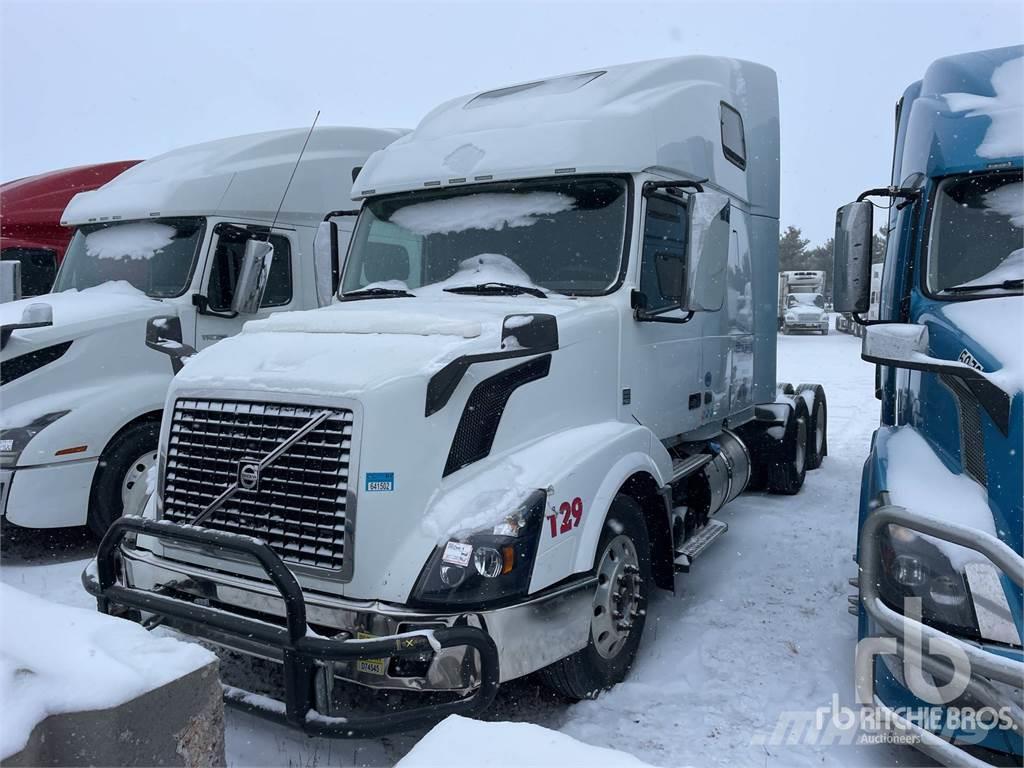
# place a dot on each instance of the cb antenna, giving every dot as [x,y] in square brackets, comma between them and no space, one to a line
[290,178]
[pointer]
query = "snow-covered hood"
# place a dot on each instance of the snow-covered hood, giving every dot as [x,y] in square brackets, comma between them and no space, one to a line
[77,313]
[990,332]
[352,347]
[806,310]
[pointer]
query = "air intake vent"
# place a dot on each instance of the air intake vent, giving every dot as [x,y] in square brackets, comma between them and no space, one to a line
[22,365]
[972,442]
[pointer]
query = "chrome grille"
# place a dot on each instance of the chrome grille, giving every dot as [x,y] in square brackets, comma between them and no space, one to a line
[299,506]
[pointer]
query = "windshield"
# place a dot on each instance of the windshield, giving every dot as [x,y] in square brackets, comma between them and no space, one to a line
[806,300]
[564,236]
[977,235]
[157,256]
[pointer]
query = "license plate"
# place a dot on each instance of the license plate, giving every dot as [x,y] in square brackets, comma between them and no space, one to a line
[370,666]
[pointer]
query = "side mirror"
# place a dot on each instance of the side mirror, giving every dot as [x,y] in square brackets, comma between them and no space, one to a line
[851,265]
[252,277]
[10,280]
[163,334]
[702,285]
[906,346]
[325,262]
[33,316]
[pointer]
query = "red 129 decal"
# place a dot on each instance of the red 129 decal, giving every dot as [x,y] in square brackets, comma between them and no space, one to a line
[569,515]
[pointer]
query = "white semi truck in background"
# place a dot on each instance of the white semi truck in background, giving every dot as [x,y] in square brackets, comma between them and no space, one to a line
[552,362]
[845,323]
[82,392]
[802,301]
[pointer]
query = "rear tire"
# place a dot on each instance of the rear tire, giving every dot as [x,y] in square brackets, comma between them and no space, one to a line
[120,482]
[623,567]
[817,423]
[786,476]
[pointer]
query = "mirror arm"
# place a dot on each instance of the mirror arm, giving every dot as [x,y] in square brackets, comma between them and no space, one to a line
[653,317]
[653,186]
[905,193]
[862,321]
[338,214]
[202,305]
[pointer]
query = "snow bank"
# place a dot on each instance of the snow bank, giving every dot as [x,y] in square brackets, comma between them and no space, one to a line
[917,479]
[56,659]
[110,299]
[458,742]
[129,241]
[482,211]
[997,324]
[1005,136]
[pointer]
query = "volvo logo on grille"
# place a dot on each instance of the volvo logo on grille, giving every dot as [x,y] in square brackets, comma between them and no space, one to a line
[249,475]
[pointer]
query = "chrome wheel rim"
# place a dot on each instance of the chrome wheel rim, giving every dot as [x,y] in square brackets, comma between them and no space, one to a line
[801,445]
[618,598]
[133,484]
[819,429]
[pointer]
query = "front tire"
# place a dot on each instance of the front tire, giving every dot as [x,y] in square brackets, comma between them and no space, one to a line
[623,570]
[119,486]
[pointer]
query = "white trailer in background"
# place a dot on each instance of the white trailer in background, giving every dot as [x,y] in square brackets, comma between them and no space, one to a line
[845,322]
[551,365]
[82,393]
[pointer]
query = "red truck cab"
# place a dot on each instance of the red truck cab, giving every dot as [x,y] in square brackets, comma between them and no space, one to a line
[30,211]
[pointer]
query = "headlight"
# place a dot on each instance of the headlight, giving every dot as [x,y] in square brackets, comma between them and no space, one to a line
[913,566]
[14,440]
[486,566]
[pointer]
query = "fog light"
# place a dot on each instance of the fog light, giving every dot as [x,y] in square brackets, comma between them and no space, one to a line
[908,571]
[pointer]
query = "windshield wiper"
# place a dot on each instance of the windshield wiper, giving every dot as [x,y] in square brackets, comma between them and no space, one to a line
[497,289]
[1008,285]
[376,293]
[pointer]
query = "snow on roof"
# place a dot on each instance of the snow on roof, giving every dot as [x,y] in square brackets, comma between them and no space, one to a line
[242,176]
[56,659]
[662,114]
[458,742]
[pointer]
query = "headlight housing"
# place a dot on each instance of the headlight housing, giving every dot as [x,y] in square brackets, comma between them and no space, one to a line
[488,566]
[14,440]
[914,566]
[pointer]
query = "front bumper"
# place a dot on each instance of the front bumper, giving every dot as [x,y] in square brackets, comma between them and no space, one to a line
[990,679]
[799,325]
[47,496]
[367,642]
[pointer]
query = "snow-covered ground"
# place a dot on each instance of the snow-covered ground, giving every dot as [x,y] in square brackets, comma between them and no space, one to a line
[758,628]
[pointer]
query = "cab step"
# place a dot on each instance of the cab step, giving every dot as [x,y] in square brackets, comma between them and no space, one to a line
[697,543]
[683,467]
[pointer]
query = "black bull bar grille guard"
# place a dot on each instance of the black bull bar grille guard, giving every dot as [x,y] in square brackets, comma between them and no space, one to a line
[300,651]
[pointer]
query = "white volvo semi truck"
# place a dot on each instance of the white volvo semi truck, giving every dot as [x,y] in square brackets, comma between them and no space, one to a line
[552,362]
[82,393]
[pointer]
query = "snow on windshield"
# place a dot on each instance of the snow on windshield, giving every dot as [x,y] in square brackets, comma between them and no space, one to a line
[1004,137]
[484,211]
[129,241]
[486,268]
[807,299]
[1007,200]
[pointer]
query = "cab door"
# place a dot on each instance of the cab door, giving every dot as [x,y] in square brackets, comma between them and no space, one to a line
[214,318]
[662,376]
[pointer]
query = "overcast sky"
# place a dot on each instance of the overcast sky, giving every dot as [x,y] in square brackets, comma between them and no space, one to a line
[87,82]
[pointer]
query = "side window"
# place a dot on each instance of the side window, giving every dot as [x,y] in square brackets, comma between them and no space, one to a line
[38,268]
[734,144]
[664,252]
[227,261]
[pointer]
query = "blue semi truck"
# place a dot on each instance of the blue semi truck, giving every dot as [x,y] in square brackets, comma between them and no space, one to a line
[940,572]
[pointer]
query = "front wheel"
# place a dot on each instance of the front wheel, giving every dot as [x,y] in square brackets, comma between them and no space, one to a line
[623,570]
[119,487]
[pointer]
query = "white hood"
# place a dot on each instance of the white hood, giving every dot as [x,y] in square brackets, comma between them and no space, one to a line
[352,347]
[76,313]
